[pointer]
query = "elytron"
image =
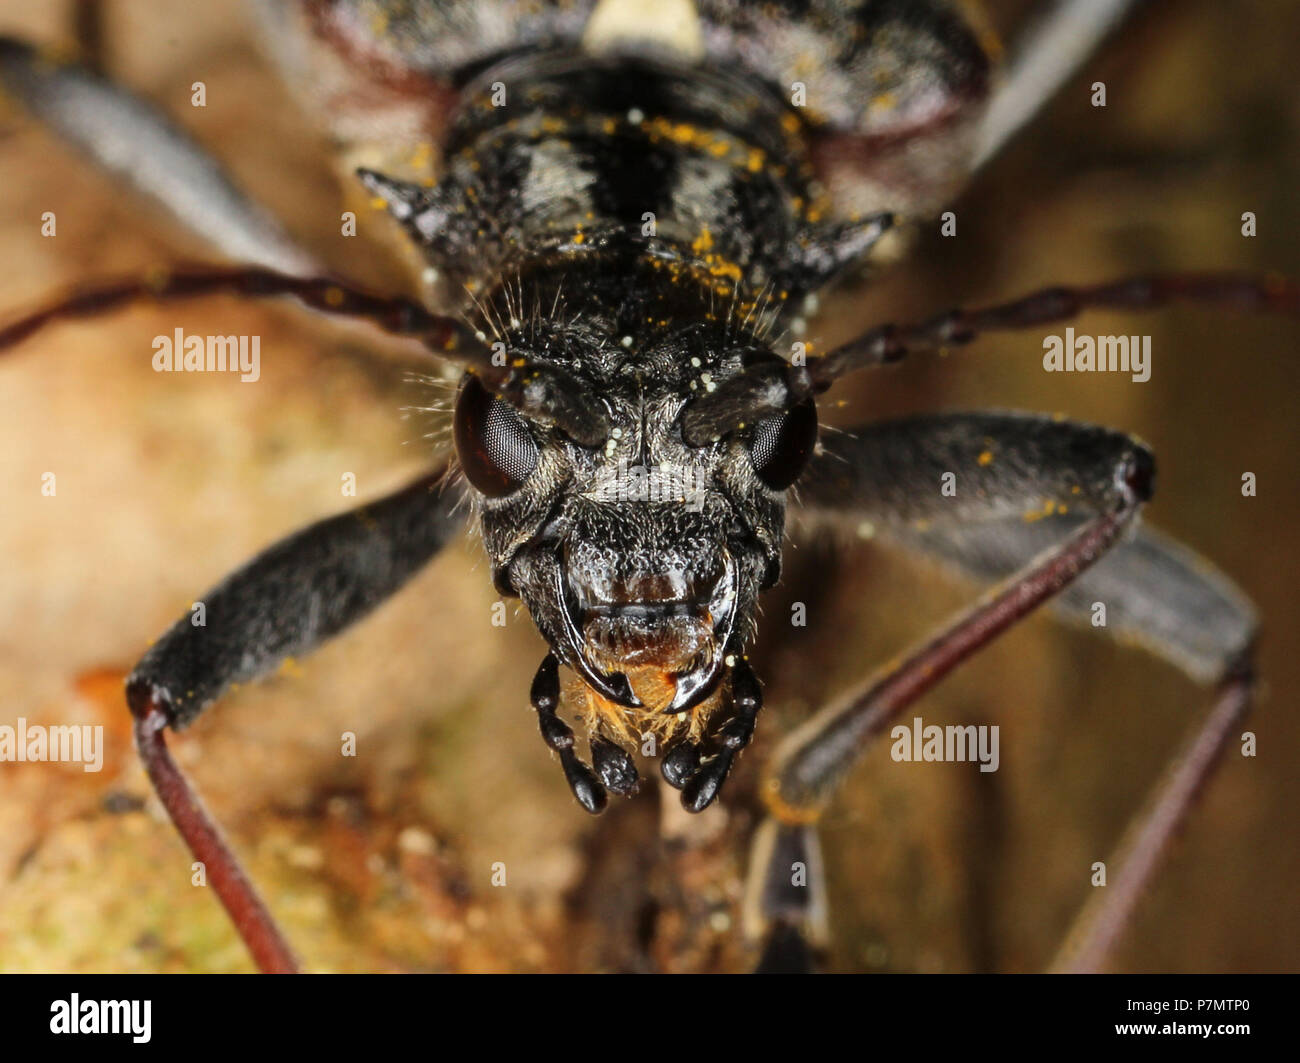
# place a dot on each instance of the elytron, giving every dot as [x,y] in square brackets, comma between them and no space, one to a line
[635,210]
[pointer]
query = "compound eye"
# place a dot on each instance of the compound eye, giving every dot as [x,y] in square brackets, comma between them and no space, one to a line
[495,448]
[781,446]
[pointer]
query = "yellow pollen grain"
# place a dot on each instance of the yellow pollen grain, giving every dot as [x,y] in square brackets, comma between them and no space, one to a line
[1049,507]
[291,668]
[721,267]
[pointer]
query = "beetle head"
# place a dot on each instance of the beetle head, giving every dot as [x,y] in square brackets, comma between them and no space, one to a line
[640,557]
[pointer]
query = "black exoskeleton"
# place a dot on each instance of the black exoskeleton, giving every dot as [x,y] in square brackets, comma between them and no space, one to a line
[627,227]
[646,230]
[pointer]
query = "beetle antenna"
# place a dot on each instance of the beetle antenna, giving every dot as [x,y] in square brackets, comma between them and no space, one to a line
[545,393]
[393,314]
[770,388]
[1271,293]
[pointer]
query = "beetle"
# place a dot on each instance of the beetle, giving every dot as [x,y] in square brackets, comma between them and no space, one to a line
[549,413]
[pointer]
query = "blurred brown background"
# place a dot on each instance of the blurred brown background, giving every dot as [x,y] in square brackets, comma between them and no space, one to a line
[383,862]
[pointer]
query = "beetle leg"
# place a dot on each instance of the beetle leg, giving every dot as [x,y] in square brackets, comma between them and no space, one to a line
[137,144]
[1007,465]
[809,764]
[1050,52]
[286,601]
[1023,482]
[1104,918]
[253,923]
[785,897]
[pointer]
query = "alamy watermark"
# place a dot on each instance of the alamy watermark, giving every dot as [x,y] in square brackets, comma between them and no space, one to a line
[956,743]
[663,483]
[179,353]
[77,1016]
[1098,354]
[34,743]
